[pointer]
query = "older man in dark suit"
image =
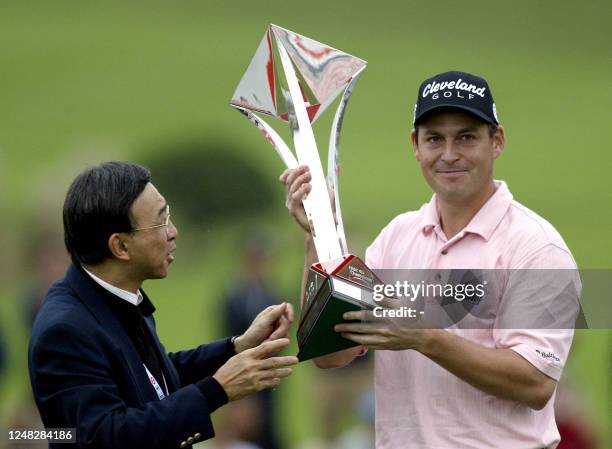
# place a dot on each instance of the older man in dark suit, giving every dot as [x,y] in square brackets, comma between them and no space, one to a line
[96,363]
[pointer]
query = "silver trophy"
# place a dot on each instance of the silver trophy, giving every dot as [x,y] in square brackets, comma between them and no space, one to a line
[294,78]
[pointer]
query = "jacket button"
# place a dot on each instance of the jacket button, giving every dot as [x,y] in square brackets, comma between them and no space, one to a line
[197,436]
[183,444]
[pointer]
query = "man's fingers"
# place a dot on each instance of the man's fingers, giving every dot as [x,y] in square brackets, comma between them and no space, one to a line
[354,315]
[369,340]
[282,328]
[289,175]
[283,177]
[278,362]
[269,383]
[300,181]
[297,186]
[267,348]
[359,328]
[299,195]
[276,373]
[273,313]
[283,324]
[290,312]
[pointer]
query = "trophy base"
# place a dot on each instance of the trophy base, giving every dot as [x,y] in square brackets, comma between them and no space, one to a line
[332,288]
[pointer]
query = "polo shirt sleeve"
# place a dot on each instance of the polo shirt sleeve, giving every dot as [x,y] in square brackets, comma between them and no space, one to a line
[539,307]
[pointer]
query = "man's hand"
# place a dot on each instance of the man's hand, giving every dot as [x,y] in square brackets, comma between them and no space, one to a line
[271,323]
[297,184]
[254,369]
[381,333]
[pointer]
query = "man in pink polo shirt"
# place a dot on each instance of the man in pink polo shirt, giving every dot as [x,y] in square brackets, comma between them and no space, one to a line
[458,388]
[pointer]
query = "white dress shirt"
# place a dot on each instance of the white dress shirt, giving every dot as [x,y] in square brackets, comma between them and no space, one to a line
[132,298]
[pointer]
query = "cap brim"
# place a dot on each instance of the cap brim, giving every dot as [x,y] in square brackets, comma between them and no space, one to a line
[476,112]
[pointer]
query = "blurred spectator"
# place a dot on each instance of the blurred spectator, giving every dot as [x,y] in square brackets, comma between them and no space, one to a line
[243,301]
[571,412]
[46,262]
[342,394]
[573,426]
[2,355]
[360,436]
[236,426]
[572,421]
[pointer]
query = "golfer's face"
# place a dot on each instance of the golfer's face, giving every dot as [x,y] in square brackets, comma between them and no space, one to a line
[456,154]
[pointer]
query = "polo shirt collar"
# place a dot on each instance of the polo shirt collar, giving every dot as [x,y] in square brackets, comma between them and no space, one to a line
[486,219]
[490,215]
[431,217]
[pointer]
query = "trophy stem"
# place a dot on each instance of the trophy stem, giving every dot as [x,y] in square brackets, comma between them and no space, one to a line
[320,217]
[333,158]
[271,136]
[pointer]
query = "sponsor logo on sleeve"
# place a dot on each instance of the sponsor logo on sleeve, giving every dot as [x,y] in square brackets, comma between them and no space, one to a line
[548,355]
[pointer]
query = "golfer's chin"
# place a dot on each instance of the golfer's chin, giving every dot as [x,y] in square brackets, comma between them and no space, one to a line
[452,179]
[449,185]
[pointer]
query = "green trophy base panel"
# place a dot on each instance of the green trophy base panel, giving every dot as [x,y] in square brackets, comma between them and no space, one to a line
[316,335]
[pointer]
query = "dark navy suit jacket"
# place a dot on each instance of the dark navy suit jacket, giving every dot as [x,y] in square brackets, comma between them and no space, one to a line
[87,374]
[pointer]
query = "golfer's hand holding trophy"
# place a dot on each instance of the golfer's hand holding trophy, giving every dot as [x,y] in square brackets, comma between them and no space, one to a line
[294,79]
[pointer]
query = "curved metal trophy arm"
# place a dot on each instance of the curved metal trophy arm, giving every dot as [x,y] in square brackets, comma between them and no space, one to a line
[317,204]
[333,158]
[271,136]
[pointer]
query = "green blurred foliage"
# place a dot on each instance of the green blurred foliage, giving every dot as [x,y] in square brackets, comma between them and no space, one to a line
[209,181]
[85,82]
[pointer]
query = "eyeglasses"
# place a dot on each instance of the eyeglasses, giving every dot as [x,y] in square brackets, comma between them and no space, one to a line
[164,224]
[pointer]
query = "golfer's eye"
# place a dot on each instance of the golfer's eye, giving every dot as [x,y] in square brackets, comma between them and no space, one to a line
[468,138]
[434,139]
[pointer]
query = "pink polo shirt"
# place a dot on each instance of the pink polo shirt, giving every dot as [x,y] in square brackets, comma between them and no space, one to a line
[421,405]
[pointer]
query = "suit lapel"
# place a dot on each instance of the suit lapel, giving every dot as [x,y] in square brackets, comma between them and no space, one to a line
[89,295]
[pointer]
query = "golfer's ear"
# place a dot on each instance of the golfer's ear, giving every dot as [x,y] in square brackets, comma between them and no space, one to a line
[415,144]
[499,140]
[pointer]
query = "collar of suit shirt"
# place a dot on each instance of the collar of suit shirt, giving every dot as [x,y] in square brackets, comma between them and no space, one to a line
[132,298]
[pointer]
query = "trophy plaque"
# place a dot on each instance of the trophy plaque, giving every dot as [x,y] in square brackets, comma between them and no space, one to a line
[295,79]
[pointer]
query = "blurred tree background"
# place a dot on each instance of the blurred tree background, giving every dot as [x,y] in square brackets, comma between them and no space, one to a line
[150,82]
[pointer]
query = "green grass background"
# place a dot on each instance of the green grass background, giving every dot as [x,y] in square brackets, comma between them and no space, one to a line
[84,82]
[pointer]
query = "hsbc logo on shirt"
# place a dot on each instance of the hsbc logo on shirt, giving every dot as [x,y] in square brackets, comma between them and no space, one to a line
[449,89]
